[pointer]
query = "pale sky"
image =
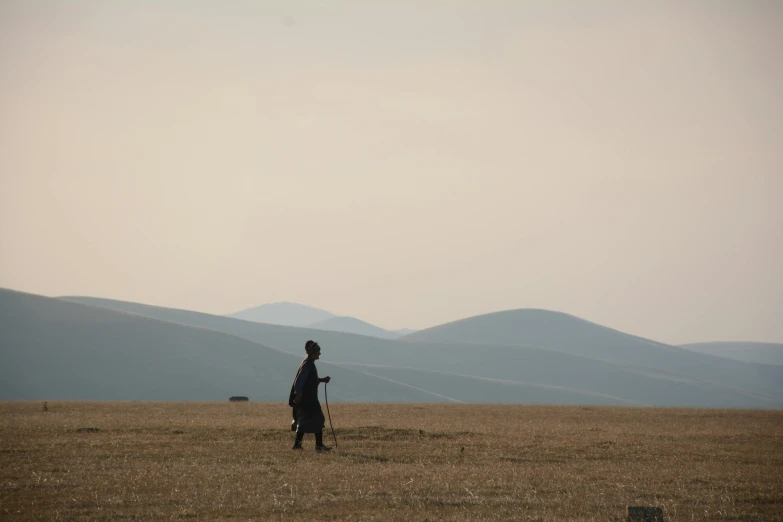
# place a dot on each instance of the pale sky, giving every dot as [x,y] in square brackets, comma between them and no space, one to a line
[407,163]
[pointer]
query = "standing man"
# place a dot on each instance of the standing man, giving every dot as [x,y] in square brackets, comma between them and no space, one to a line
[307,412]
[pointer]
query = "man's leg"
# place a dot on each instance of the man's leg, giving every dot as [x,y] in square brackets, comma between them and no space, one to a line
[319,442]
[298,441]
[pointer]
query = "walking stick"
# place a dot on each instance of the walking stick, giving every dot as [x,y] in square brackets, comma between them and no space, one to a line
[326,398]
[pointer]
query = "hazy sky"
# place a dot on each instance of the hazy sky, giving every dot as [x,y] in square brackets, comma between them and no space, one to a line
[408,163]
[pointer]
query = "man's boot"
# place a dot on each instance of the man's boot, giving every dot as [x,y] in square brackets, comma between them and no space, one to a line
[319,443]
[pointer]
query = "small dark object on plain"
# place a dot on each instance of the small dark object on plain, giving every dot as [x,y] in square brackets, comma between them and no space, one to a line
[45,406]
[89,429]
[238,398]
[645,514]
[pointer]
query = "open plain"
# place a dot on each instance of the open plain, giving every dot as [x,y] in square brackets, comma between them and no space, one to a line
[233,461]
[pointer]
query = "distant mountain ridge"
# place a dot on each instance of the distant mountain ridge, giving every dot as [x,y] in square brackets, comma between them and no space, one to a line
[516,373]
[283,313]
[353,325]
[294,314]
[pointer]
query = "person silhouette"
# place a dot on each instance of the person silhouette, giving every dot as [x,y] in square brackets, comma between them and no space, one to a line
[308,417]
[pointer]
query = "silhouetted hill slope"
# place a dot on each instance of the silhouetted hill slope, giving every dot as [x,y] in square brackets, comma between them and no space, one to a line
[543,328]
[287,314]
[599,381]
[353,325]
[563,332]
[762,353]
[52,349]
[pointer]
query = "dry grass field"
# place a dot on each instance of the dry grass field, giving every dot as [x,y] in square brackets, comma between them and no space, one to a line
[171,461]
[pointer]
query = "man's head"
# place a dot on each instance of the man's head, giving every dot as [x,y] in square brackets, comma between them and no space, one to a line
[312,349]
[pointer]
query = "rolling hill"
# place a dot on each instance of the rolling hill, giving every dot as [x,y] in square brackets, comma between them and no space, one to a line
[763,353]
[505,373]
[55,349]
[566,333]
[544,328]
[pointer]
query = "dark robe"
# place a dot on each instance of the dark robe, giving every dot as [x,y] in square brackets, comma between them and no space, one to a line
[308,414]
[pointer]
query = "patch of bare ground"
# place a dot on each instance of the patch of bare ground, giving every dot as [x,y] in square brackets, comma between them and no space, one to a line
[233,461]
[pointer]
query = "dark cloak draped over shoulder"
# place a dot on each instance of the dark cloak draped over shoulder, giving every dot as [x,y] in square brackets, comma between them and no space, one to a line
[308,414]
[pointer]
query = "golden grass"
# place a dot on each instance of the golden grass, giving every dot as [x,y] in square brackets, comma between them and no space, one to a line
[168,461]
